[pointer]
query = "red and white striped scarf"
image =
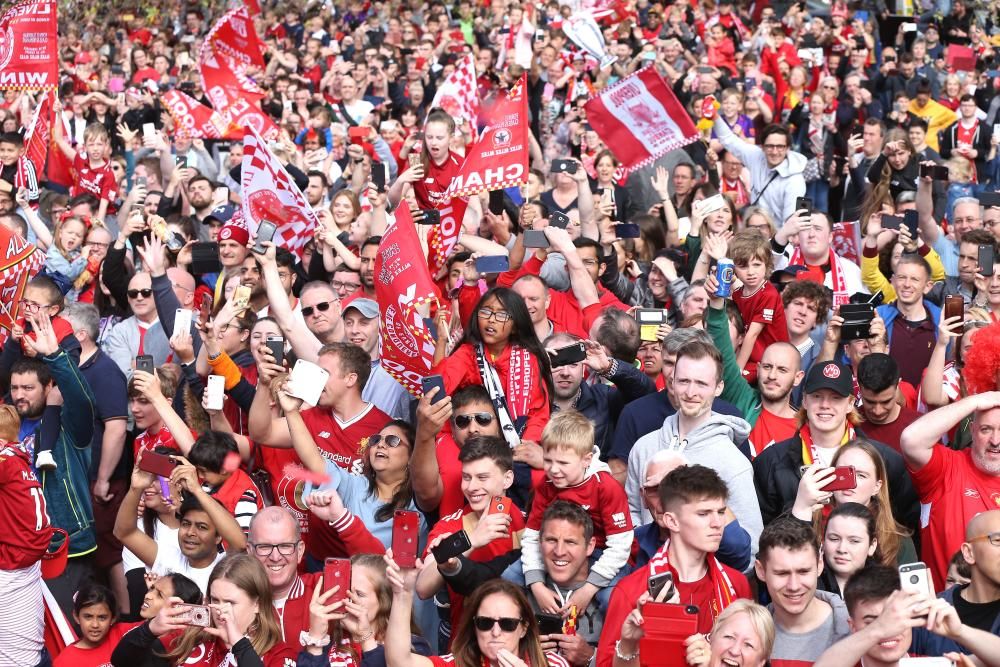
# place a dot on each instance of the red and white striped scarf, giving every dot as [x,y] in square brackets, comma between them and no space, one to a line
[725,592]
[837,281]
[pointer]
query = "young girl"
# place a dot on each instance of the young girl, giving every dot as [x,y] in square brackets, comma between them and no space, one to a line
[95,611]
[65,261]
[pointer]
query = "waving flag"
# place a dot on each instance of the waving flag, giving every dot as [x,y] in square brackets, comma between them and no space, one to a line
[402,285]
[19,262]
[28,47]
[234,37]
[194,119]
[269,193]
[38,136]
[458,94]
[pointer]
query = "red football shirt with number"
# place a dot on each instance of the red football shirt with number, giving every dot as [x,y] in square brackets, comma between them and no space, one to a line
[25,530]
[429,191]
[98,181]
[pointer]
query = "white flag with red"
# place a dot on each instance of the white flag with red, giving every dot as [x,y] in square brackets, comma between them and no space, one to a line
[269,193]
[640,119]
[458,94]
[38,136]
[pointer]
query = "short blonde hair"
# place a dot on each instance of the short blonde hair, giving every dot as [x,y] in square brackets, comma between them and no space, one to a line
[569,430]
[760,619]
[10,423]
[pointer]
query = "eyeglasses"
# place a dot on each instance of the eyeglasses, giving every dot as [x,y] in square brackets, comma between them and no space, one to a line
[485,623]
[482,418]
[487,314]
[992,538]
[98,244]
[340,285]
[136,293]
[775,147]
[322,307]
[390,441]
[285,549]
[31,306]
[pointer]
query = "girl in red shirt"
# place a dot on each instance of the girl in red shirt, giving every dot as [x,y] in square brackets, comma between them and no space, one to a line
[95,611]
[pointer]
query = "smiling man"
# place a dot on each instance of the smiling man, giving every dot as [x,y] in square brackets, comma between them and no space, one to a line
[361,328]
[910,320]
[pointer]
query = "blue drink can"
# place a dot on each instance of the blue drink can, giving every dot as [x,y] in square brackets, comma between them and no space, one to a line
[724,274]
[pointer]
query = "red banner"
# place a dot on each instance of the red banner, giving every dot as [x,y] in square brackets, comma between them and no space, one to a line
[233,94]
[499,158]
[402,284]
[38,136]
[194,119]
[640,119]
[19,262]
[442,238]
[29,56]
[234,36]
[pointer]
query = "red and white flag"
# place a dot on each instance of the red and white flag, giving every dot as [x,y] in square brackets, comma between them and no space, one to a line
[29,55]
[402,284]
[458,94]
[269,193]
[235,37]
[19,262]
[38,136]
[640,119]
[233,94]
[499,158]
[194,119]
[442,238]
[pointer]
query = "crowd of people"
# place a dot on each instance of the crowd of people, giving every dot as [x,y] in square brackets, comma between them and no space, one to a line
[741,407]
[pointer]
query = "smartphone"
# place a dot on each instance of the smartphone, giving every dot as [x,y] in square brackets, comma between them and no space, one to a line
[148,131]
[265,234]
[337,572]
[415,160]
[711,204]
[857,321]
[428,216]
[276,344]
[844,478]
[180,161]
[985,261]
[431,381]
[892,221]
[803,203]
[241,298]
[205,258]
[558,219]
[666,628]
[405,537]
[157,464]
[493,264]
[926,661]
[144,363]
[357,134]
[378,176]
[608,196]
[658,582]
[196,614]
[535,238]
[627,230]
[549,624]
[222,192]
[499,505]
[563,167]
[216,390]
[182,321]
[308,380]
[954,306]
[206,308]
[564,356]
[431,327]
[649,320]
[911,219]
[916,577]
[938,172]
[452,546]
[496,202]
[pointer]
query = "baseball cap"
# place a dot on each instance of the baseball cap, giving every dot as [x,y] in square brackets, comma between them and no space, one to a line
[791,271]
[234,232]
[83,58]
[830,375]
[366,307]
[222,214]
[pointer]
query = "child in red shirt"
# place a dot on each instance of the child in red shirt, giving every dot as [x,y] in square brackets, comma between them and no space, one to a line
[91,168]
[95,611]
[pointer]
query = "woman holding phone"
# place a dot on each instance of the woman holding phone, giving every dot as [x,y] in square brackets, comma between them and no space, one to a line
[140,647]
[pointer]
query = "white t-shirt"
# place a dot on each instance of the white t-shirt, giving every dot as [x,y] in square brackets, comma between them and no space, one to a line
[165,537]
[171,560]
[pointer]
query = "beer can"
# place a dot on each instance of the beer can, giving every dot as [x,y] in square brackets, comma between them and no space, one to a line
[724,274]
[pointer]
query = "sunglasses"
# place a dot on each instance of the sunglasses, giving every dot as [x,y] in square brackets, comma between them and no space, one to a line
[485,623]
[322,307]
[390,441]
[482,418]
[136,293]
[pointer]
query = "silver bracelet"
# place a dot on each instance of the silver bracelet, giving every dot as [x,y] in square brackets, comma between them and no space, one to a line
[307,640]
[626,658]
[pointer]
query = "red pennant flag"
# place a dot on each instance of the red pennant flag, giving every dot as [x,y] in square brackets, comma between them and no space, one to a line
[38,136]
[29,55]
[269,193]
[19,262]
[235,37]
[640,119]
[402,283]
[499,158]
[233,94]
[197,120]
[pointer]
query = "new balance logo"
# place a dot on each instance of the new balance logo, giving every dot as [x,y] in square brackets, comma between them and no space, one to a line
[323,434]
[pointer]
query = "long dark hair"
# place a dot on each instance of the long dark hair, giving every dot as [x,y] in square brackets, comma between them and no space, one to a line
[404,493]
[522,332]
[465,647]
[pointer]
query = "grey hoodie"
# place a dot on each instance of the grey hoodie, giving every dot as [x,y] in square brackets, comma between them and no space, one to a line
[711,445]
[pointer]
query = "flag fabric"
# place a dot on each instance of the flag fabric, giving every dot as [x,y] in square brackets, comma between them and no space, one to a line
[194,119]
[458,94]
[640,119]
[403,284]
[29,52]
[235,37]
[38,136]
[499,158]
[442,238]
[20,262]
[269,193]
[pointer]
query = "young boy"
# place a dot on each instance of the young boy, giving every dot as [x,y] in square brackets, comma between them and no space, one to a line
[758,300]
[232,487]
[16,171]
[91,167]
[567,452]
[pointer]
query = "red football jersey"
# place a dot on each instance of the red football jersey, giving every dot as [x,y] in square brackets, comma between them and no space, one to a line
[763,306]
[430,190]
[25,529]
[600,495]
[215,654]
[99,181]
[150,441]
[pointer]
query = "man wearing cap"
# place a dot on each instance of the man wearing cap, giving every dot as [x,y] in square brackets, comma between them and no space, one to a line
[827,416]
[213,222]
[361,325]
[233,241]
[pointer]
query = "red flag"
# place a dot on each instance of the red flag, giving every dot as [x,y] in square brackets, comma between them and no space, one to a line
[640,119]
[458,94]
[269,193]
[442,238]
[253,6]
[234,36]
[499,159]
[19,262]
[402,283]
[233,94]
[197,120]
[38,136]
[28,50]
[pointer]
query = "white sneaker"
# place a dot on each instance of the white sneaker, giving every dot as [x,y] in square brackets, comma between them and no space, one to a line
[44,460]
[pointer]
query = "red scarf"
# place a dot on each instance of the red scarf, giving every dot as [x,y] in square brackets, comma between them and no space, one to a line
[809,449]
[725,592]
[837,280]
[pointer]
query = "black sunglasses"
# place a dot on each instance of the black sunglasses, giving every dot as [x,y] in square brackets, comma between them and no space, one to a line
[322,307]
[390,441]
[136,293]
[485,623]
[482,418]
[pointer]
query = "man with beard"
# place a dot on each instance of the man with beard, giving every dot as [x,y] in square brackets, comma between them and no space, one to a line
[598,401]
[252,277]
[369,251]
[954,485]
[316,191]
[361,328]
[200,193]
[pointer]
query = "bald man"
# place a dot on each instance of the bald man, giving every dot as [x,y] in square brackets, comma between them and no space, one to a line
[173,289]
[734,550]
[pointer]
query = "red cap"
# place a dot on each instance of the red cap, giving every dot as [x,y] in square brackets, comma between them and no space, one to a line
[83,58]
[236,233]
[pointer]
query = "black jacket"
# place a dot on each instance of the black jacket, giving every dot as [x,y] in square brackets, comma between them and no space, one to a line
[981,142]
[776,476]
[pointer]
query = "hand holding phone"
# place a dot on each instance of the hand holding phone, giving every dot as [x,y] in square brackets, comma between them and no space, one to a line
[337,573]
[405,537]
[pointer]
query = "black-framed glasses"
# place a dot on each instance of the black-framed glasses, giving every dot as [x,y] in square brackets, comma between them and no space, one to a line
[485,623]
[992,538]
[136,293]
[390,441]
[322,307]
[482,418]
[775,147]
[500,316]
[285,548]
[340,285]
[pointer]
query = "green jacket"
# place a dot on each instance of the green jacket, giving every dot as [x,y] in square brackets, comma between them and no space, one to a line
[736,389]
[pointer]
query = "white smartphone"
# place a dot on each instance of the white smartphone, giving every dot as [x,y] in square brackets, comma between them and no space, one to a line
[683,227]
[148,131]
[216,391]
[711,204]
[182,321]
[996,130]
[934,661]
[917,578]
[307,381]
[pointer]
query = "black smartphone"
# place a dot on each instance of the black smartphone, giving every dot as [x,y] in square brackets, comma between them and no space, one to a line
[535,238]
[558,219]
[276,345]
[857,321]
[431,327]
[564,167]
[205,258]
[911,219]
[549,624]
[181,162]
[564,356]
[989,199]
[496,202]
[937,172]
[492,264]
[452,546]
[144,363]
[428,216]
[658,582]
[378,176]
[985,264]
[891,221]
[803,203]
[265,234]
[430,382]
[627,230]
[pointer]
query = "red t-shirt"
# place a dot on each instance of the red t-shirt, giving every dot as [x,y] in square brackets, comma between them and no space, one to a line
[429,191]
[769,429]
[600,495]
[150,441]
[214,655]
[25,529]
[889,434]
[763,306]
[952,491]
[450,469]
[99,656]
[552,658]
[98,181]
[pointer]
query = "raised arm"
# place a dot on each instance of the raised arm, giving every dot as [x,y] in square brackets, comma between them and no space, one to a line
[304,343]
[397,633]
[186,477]
[263,424]
[126,527]
[579,278]
[929,229]
[302,440]
[425,474]
[919,438]
[149,385]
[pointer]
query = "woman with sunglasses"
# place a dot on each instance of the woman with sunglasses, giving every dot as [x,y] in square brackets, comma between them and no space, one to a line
[497,629]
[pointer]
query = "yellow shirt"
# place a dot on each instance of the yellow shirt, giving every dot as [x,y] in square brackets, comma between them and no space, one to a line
[938,117]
